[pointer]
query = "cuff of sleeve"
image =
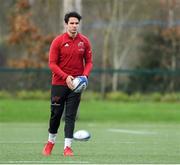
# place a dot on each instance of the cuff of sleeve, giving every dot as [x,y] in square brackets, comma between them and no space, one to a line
[65,76]
[85,75]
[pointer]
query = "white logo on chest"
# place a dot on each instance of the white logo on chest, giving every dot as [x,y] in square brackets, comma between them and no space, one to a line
[66,45]
[81,44]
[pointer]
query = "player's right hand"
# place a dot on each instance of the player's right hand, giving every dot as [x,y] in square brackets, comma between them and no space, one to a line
[69,82]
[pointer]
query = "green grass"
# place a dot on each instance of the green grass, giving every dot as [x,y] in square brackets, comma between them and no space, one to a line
[110,143]
[133,132]
[99,111]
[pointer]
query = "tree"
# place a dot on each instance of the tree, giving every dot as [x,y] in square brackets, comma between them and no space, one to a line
[27,37]
[120,51]
[162,48]
[72,5]
[113,34]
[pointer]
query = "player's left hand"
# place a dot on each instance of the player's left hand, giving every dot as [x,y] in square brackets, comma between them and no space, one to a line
[85,77]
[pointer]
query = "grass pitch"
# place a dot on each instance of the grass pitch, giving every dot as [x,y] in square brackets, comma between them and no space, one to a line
[22,143]
[92,111]
[135,133]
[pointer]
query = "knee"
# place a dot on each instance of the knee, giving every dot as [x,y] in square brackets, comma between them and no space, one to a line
[56,106]
[55,101]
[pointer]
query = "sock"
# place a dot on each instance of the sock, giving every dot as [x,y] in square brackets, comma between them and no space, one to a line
[52,138]
[67,142]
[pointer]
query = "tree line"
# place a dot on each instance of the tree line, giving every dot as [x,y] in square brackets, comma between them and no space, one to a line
[121,37]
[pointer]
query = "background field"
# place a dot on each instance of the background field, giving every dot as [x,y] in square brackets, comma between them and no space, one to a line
[92,111]
[145,132]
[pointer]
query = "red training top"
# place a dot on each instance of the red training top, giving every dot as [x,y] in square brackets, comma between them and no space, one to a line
[68,56]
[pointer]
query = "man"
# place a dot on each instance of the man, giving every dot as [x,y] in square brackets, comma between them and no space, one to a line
[70,55]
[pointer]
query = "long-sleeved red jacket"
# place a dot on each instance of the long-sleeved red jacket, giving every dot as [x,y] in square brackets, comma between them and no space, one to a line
[68,56]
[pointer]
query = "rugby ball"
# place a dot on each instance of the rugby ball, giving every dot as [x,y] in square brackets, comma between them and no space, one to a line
[81,135]
[80,83]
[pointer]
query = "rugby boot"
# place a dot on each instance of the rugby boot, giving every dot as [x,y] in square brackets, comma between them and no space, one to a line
[68,152]
[48,148]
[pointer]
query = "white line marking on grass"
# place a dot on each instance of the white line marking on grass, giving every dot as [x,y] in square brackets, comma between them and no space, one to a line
[40,142]
[130,131]
[25,142]
[46,162]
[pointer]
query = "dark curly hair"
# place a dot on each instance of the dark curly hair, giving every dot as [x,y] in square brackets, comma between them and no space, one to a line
[72,14]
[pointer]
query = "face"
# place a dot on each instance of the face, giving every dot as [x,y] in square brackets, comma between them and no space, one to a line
[72,25]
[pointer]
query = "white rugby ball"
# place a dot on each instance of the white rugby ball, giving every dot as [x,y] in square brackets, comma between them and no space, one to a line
[80,83]
[81,135]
